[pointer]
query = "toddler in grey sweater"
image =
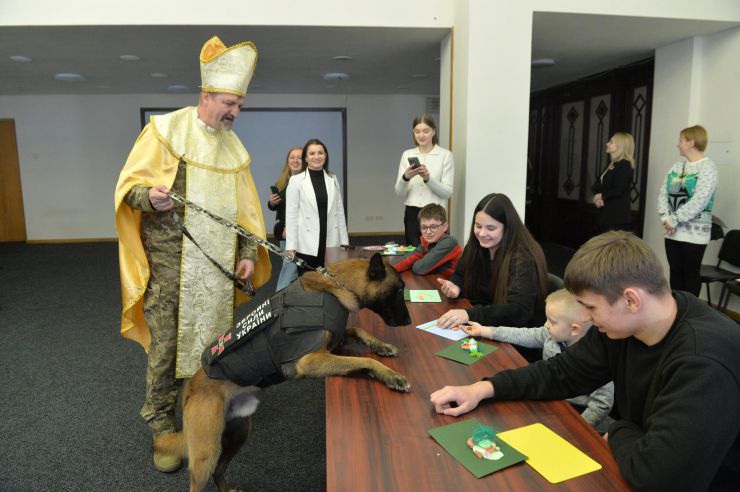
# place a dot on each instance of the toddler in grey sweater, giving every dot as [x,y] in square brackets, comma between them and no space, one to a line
[564,327]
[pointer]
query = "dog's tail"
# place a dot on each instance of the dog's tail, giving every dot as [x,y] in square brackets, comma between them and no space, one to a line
[172,444]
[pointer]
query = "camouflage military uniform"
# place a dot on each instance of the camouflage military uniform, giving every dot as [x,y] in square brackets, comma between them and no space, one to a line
[162,241]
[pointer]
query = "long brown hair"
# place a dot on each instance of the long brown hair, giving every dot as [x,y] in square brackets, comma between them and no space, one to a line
[516,245]
[285,174]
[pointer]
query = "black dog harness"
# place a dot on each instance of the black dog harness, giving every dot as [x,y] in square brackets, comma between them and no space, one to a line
[281,330]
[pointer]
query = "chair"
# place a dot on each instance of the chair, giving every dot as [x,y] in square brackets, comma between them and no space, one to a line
[728,252]
[731,287]
[554,283]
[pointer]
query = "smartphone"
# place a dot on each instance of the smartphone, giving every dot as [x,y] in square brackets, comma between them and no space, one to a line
[414,162]
[275,189]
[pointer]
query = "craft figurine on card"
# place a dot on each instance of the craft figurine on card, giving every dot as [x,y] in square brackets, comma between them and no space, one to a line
[471,346]
[483,445]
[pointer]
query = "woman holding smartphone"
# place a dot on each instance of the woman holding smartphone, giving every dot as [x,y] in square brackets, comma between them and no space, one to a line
[314,212]
[293,165]
[425,175]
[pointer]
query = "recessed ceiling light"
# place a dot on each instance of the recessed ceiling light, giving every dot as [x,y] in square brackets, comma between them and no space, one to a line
[336,76]
[177,88]
[341,57]
[402,87]
[419,76]
[158,75]
[543,62]
[21,58]
[129,58]
[69,77]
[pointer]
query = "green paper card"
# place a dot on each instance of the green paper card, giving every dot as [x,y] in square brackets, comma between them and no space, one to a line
[424,296]
[454,352]
[454,439]
[406,295]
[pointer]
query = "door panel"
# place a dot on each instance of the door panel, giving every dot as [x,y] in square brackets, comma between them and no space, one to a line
[12,219]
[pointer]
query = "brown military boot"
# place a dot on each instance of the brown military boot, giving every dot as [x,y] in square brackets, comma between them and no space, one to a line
[164,462]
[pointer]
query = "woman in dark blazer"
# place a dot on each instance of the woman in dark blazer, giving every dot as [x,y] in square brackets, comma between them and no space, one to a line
[612,189]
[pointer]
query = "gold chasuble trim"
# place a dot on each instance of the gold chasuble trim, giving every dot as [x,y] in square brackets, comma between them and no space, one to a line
[218,159]
[206,304]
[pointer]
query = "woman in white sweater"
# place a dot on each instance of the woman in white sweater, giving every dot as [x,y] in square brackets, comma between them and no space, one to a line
[314,212]
[685,206]
[425,175]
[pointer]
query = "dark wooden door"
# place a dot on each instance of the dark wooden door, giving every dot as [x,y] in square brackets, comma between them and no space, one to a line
[568,131]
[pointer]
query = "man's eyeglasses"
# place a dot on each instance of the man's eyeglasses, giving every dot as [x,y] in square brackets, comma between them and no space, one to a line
[431,228]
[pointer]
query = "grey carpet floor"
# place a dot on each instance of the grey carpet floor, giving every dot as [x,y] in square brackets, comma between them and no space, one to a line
[71,387]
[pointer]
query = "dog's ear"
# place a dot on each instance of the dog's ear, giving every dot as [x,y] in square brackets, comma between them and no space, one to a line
[376,270]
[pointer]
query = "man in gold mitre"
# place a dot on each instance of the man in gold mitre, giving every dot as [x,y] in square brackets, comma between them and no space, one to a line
[175,300]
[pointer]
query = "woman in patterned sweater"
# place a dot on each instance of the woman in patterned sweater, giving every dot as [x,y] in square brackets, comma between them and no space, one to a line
[685,207]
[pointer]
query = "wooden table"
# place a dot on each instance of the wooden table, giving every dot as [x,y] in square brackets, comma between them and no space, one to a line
[377,440]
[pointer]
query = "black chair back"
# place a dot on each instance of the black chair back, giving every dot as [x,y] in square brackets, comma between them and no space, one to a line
[554,283]
[730,249]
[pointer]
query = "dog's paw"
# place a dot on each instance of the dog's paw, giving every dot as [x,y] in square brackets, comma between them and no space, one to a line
[396,381]
[386,350]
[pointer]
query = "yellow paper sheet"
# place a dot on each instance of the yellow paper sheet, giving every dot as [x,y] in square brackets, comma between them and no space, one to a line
[549,454]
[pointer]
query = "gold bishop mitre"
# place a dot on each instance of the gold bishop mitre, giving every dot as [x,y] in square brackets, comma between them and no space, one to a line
[225,69]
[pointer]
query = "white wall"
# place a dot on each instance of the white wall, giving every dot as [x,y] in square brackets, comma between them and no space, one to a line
[696,82]
[71,150]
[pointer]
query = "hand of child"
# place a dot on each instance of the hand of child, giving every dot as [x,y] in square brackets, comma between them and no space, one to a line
[473,329]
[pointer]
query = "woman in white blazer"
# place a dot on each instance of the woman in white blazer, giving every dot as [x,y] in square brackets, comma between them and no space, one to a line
[425,175]
[314,212]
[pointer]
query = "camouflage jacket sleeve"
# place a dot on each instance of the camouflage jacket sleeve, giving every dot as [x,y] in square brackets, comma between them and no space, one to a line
[138,198]
[247,249]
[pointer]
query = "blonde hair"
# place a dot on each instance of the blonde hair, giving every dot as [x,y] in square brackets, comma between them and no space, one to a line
[285,174]
[698,134]
[568,306]
[625,148]
[611,262]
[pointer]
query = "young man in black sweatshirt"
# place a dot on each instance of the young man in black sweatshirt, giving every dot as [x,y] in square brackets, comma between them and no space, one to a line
[674,362]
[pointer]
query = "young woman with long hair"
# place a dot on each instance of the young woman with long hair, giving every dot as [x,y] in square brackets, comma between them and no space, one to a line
[502,272]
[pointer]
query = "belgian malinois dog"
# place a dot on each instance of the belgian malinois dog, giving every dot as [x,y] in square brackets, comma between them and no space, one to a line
[216,411]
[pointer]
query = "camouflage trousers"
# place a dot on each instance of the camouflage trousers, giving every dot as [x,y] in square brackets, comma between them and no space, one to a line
[160,311]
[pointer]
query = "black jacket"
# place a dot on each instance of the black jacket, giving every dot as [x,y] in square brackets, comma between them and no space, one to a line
[523,306]
[615,190]
[676,403]
[279,227]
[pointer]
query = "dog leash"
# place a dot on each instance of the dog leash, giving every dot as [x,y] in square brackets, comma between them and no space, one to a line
[286,256]
[243,285]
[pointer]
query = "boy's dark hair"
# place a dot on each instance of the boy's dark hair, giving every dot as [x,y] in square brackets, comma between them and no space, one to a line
[611,262]
[433,211]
